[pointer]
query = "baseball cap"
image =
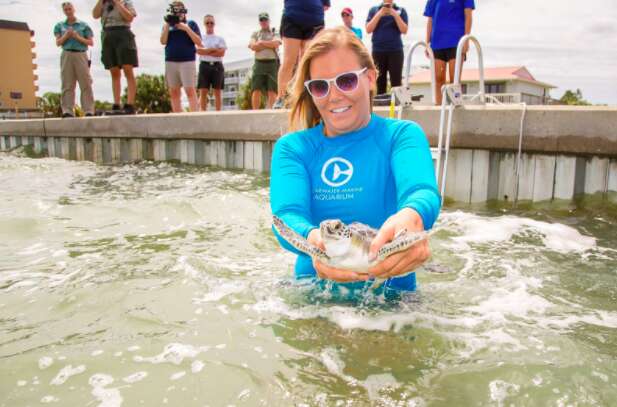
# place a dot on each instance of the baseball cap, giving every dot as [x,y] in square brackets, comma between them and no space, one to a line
[347,10]
[264,16]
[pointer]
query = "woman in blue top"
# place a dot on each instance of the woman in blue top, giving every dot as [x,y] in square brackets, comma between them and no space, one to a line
[448,22]
[342,161]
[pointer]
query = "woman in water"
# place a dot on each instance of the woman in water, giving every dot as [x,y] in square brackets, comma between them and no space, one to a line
[341,161]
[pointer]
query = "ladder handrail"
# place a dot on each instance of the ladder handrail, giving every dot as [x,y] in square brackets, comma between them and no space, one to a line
[459,56]
[412,48]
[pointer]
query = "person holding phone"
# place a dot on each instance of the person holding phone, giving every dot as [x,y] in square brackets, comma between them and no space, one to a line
[74,36]
[448,21]
[387,22]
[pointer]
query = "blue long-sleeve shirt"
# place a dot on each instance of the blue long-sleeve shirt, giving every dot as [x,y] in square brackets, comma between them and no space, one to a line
[362,176]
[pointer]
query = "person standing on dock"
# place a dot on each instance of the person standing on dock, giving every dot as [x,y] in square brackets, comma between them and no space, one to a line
[265,44]
[74,36]
[211,70]
[387,22]
[448,21]
[347,16]
[180,38]
[301,21]
[119,52]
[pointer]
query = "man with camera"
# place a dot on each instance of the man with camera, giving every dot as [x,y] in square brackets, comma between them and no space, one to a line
[265,43]
[119,50]
[74,36]
[387,22]
[211,70]
[180,38]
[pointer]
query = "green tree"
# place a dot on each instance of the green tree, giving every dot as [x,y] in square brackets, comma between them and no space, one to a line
[243,100]
[102,105]
[49,103]
[574,98]
[152,94]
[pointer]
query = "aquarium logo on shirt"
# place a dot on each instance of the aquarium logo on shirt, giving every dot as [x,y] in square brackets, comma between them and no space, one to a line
[337,172]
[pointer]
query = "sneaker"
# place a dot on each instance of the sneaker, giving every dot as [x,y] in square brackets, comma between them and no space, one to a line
[129,109]
[279,103]
[89,114]
[67,116]
[115,107]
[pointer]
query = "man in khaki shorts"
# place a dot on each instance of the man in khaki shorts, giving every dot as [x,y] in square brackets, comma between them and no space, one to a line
[265,43]
[180,37]
[74,36]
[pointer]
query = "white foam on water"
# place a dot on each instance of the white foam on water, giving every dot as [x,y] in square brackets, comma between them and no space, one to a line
[97,352]
[244,394]
[513,301]
[537,380]
[45,362]
[197,366]
[34,249]
[602,376]
[478,229]
[107,397]
[178,375]
[133,348]
[66,373]
[335,365]
[220,290]
[135,377]
[500,390]
[173,353]
[49,399]
[22,383]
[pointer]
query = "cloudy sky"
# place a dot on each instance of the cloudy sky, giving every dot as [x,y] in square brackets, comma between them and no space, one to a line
[563,42]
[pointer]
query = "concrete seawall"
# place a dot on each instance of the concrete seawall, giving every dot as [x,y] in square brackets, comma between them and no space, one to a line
[567,150]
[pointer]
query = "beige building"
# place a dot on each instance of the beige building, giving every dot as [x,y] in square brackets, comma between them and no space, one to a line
[514,84]
[17,78]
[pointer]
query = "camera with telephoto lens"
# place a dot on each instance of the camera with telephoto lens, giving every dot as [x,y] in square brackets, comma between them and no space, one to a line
[174,12]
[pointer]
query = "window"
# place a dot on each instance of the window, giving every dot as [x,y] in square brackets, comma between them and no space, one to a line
[495,87]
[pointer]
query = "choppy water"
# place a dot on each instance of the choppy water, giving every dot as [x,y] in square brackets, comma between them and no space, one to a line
[156,284]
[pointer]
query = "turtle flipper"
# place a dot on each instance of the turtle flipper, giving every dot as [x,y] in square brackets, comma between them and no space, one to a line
[297,241]
[402,241]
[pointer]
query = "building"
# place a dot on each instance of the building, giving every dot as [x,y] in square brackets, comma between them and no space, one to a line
[514,84]
[17,74]
[236,75]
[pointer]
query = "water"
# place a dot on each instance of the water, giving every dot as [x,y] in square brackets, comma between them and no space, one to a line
[156,284]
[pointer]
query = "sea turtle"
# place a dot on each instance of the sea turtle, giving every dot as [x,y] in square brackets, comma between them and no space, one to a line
[347,246]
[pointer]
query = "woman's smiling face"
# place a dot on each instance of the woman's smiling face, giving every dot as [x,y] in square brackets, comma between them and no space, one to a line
[343,112]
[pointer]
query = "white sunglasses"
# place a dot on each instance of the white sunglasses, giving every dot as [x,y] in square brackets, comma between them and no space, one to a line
[345,82]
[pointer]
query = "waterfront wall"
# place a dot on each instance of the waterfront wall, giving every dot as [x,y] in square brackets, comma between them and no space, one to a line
[567,151]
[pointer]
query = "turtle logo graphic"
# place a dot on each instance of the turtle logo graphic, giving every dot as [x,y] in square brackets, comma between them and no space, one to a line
[337,172]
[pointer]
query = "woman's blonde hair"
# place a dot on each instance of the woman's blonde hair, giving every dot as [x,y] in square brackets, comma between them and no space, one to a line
[304,113]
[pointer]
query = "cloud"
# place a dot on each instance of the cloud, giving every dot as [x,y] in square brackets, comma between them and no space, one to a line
[570,47]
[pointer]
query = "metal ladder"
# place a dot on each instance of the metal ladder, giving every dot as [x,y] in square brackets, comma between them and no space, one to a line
[451,98]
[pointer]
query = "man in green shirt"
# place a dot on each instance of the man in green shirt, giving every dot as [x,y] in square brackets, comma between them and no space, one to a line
[265,44]
[74,36]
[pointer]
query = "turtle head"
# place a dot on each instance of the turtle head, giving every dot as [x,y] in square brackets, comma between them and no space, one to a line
[336,237]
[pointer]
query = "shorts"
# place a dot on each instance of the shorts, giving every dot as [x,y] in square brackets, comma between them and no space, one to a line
[265,75]
[446,54]
[291,29]
[180,74]
[119,48]
[211,74]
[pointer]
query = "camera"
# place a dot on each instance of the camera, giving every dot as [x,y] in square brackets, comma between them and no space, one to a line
[173,14]
[109,4]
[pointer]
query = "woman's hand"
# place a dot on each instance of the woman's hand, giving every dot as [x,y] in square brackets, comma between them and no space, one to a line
[330,273]
[402,262]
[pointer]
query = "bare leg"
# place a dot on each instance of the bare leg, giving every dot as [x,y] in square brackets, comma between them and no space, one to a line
[174,96]
[440,79]
[218,100]
[131,84]
[270,100]
[256,99]
[115,84]
[203,99]
[191,95]
[292,47]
